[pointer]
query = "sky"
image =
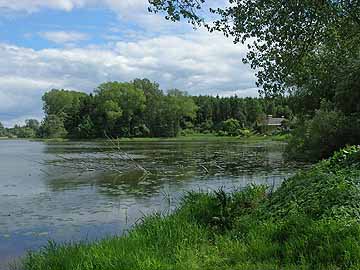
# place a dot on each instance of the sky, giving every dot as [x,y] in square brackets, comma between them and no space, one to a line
[78,44]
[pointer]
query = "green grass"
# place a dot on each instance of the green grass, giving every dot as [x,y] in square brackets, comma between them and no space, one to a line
[310,222]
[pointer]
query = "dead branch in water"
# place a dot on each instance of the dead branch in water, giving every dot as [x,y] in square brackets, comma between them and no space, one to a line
[110,160]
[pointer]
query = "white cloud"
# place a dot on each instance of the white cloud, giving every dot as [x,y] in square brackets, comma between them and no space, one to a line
[198,62]
[20,98]
[35,5]
[135,11]
[63,37]
[121,6]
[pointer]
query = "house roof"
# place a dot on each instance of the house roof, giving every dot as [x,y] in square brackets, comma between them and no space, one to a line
[274,121]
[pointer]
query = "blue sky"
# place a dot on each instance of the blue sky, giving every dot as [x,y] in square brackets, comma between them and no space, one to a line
[78,44]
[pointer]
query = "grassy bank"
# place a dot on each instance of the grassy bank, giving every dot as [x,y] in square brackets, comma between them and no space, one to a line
[310,222]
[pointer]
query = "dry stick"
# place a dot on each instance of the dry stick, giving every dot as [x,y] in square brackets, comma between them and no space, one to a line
[111,157]
[108,165]
[126,155]
[205,169]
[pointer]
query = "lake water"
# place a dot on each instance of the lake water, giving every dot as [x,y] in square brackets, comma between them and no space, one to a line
[82,191]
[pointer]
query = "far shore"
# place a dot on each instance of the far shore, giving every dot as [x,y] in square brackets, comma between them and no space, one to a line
[188,138]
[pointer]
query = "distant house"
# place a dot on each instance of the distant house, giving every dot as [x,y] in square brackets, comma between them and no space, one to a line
[272,123]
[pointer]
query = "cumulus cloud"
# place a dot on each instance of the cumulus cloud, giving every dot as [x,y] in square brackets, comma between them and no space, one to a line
[63,37]
[135,11]
[35,5]
[198,62]
[123,7]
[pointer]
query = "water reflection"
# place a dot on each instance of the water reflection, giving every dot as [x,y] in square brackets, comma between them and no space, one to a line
[39,201]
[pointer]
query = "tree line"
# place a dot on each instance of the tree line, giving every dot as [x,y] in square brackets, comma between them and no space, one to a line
[141,109]
[29,130]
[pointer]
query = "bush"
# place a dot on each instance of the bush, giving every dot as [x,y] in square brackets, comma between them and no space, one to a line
[231,127]
[187,132]
[244,132]
[321,136]
[329,190]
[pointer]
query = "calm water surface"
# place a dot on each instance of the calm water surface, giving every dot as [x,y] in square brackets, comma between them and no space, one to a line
[46,192]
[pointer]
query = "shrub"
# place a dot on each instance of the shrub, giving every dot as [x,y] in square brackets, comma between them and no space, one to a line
[231,126]
[187,132]
[244,132]
[321,136]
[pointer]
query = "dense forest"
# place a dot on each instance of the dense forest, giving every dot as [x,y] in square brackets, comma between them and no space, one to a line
[141,109]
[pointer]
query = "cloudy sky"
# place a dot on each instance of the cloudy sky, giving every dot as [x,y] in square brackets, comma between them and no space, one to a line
[78,44]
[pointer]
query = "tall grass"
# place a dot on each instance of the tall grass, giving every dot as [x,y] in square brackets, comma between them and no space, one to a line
[311,222]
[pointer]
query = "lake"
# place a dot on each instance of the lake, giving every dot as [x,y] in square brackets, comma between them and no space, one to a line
[83,191]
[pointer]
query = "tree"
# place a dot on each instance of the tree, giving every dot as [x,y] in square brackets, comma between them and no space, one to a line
[121,104]
[296,46]
[66,105]
[182,109]
[32,124]
[86,128]
[176,108]
[62,101]
[3,132]
[52,127]
[151,113]
[319,137]
[89,124]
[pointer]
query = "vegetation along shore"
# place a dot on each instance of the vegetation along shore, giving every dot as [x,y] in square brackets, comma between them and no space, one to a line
[310,222]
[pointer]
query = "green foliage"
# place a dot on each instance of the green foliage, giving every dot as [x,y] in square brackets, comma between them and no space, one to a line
[245,132]
[32,124]
[325,133]
[218,210]
[177,108]
[52,127]
[131,109]
[3,132]
[307,50]
[141,109]
[310,222]
[231,127]
[86,128]
[330,190]
[281,40]
[119,105]
[61,102]
[29,130]
[23,132]
[249,112]
[350,156]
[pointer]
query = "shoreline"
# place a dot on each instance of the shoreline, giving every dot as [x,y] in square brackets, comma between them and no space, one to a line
[189,138]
